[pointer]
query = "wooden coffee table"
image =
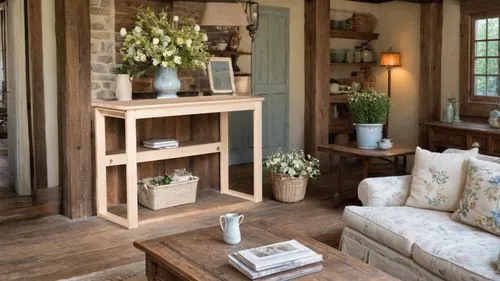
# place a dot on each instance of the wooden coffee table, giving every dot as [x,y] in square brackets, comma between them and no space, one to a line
[202,255]
[366,156]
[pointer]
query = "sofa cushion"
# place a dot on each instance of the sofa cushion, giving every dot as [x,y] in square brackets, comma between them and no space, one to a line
[400,227]
[384,191]
[480,204]
[437,186]
[466,255]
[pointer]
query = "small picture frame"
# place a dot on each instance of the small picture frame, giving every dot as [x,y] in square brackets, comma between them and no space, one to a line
[221,76]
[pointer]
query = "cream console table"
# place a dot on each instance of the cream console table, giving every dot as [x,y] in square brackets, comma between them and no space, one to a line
[131,111]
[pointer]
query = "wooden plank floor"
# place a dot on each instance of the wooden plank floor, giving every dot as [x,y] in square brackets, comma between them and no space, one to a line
[55,247]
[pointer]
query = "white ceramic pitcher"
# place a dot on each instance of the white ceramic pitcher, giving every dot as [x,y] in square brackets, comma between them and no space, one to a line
[230,225]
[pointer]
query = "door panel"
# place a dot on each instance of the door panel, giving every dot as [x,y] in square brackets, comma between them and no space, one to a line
[270,80]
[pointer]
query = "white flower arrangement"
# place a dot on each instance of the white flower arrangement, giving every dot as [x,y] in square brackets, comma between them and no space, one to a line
[154,41]
[294,163]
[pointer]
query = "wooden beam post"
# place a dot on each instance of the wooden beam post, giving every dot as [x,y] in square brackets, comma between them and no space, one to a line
[431,40]
[73,71]
[317,68]
[37,101]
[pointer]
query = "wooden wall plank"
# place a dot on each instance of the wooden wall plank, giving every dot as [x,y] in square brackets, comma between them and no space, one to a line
[37,98]
[317,34]
[431,37]
[73,56]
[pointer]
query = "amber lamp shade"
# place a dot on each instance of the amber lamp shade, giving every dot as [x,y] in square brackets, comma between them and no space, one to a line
[390,59]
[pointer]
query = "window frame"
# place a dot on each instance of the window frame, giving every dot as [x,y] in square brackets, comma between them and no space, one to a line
[472,105]
[473,57]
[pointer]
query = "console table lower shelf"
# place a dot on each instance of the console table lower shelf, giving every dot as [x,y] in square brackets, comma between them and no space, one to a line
[127,215]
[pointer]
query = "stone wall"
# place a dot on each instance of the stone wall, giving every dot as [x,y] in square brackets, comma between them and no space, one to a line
[106,18]
[102,40]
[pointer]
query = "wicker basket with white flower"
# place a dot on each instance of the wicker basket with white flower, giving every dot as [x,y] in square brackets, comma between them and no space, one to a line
[158,44]
[290,173]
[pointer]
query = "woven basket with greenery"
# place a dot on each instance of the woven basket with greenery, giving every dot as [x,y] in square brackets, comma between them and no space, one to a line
[289,189]
[290,173]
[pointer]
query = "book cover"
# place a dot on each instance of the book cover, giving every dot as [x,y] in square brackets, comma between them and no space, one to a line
[294,273]
[160,141]
[161,146]
[252,274]
[270,256]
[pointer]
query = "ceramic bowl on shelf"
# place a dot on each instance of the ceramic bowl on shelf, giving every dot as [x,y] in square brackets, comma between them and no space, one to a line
[221,46]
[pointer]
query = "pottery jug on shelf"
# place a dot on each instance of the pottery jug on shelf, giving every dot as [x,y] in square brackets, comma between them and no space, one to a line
[366,55]
[123,90]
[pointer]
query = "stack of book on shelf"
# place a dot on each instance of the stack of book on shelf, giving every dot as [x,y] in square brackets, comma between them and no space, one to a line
[160,143]
[277,262]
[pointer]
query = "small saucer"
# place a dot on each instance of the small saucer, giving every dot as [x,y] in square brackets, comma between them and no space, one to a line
[384,145]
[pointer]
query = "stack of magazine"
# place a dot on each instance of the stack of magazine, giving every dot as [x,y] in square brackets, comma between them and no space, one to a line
[277,262]
[160,143]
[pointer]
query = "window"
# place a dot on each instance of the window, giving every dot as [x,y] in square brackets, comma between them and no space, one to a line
[479,57]
[486,57]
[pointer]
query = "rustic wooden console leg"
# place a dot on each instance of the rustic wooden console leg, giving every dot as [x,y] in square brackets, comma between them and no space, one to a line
[224,154]
[131,167]
[100,162]
[156,272]
[257,152]
[340,179]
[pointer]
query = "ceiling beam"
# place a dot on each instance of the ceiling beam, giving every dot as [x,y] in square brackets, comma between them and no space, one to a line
[385,1]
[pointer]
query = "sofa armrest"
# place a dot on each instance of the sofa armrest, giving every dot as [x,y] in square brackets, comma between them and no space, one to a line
[384,191]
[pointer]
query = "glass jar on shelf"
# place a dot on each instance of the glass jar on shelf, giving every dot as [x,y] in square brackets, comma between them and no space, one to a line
[366,53]
[349,56]
[357,54]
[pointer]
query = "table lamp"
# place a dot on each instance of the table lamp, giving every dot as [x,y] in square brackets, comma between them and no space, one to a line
[224,14]
[390,59]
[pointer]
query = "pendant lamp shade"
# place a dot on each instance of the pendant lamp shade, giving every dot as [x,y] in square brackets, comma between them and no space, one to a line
[224,14]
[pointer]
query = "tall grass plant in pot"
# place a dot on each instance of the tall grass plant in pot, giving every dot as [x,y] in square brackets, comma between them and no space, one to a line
[370,111]
[290,173]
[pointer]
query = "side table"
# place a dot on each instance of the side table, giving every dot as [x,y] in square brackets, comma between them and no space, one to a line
[366,156]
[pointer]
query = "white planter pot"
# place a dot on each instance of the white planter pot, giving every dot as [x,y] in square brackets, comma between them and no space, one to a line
[368,135]
[123,89]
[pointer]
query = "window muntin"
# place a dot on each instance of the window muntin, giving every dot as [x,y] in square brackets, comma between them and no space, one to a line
[486,57]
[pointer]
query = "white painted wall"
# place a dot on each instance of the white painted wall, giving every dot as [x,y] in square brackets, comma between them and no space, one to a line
[399,27]
[297,73]
[450,58]
[19,157]
[50,90]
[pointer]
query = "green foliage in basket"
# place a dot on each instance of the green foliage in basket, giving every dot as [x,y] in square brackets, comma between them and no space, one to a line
[161,180]
[294,163]
[369,107]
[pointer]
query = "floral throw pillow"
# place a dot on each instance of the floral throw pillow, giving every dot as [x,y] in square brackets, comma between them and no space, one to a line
[480,204]
[438,180]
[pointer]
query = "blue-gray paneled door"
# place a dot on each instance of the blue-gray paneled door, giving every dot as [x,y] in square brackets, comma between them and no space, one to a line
[270,80]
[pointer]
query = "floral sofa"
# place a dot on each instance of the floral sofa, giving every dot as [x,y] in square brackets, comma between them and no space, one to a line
[416,244]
